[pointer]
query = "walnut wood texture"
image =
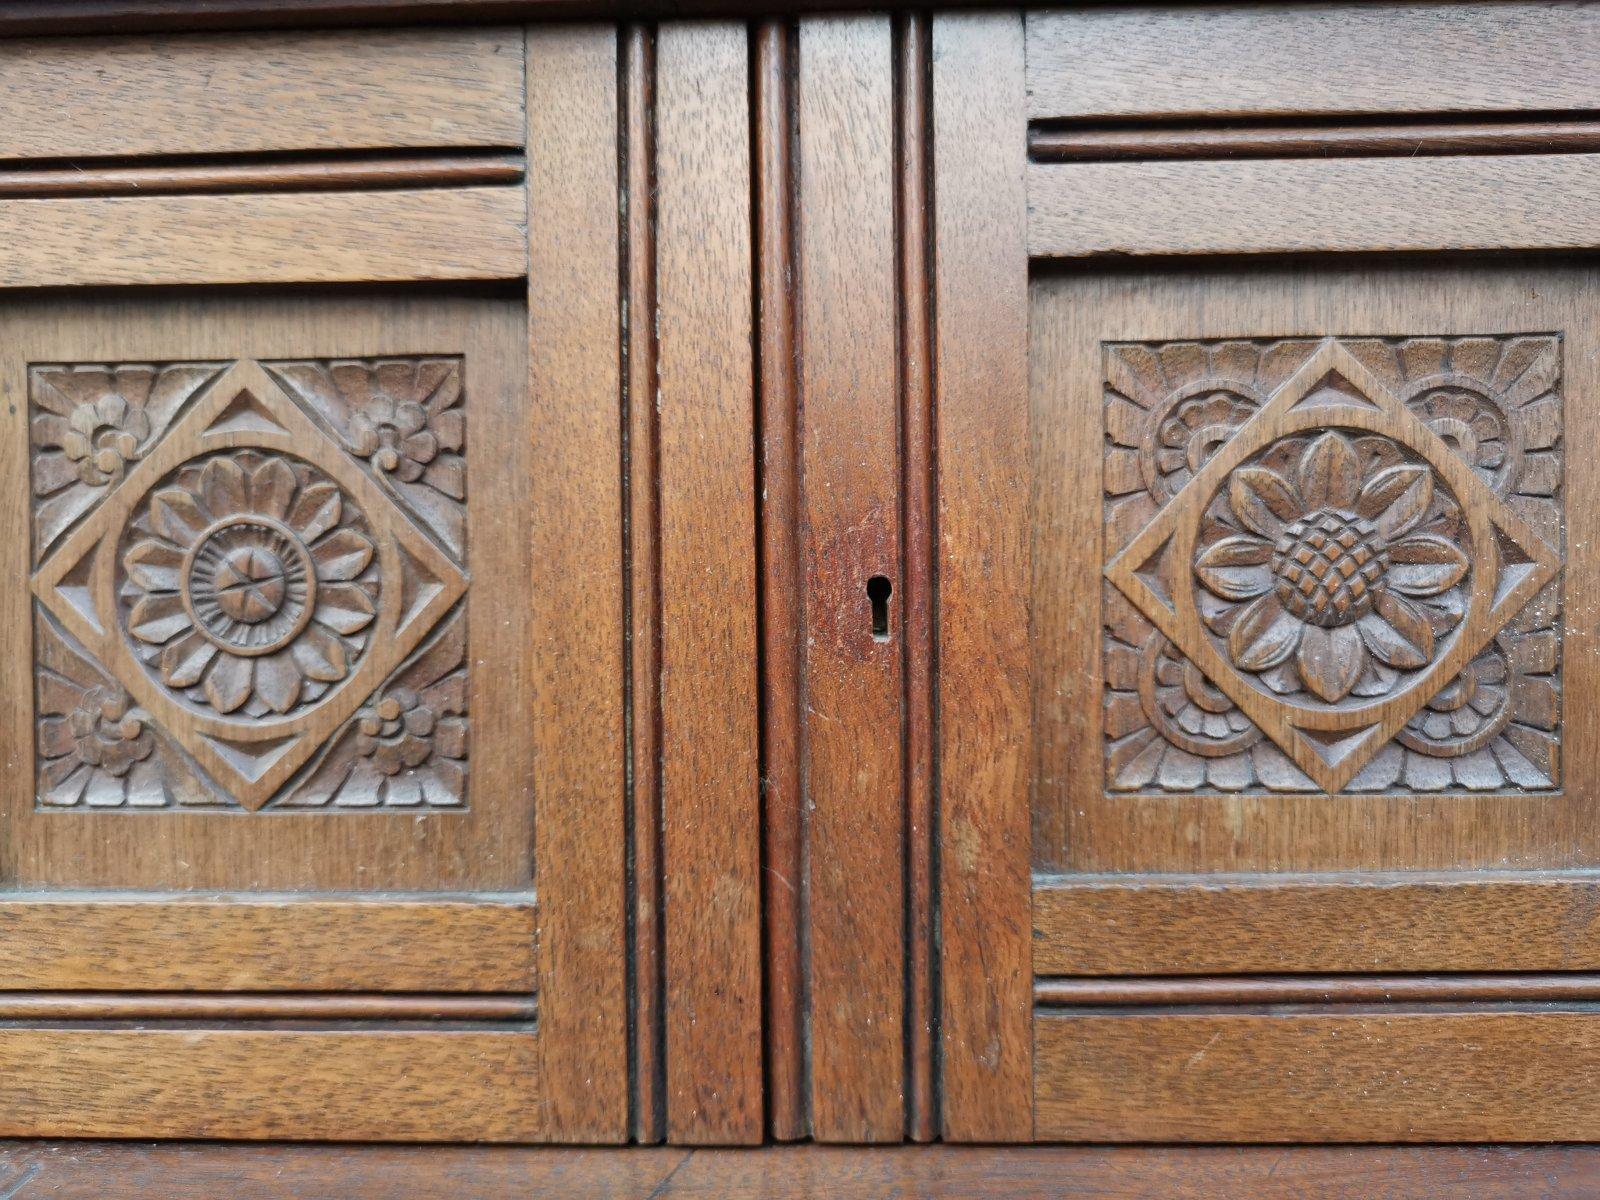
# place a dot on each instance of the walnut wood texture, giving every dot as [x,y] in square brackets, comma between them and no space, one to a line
[1079,210]
[356,174]
[390,1085]
[242,93]
[1419,789]
[705,403]
[338,237]
[782,604]
[1304,1075]
[575,665]
[1290,60]
[1194,926]
[258,945]
[984,576]
[850,534]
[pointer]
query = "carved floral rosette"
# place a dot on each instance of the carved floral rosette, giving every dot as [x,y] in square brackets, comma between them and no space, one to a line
[1332,565]
[234,608]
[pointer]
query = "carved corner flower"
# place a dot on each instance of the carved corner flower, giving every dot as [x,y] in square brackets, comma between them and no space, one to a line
[100,751]
[103,436]
[248,586]
[1328,582]
[406,420]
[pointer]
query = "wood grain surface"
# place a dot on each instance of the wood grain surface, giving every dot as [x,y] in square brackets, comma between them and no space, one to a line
[1288,59]
[390,1085]
[850,533]
[1218,925]
[306,175]
[333,237]
[575,582]
[710,790]
[1310,1075]
[1347,205]
[258,944]
[985,576]
[245,93]
[164,1171]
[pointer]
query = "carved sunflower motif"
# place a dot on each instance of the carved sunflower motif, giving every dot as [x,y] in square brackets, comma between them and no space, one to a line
[250,583]
[1332,566]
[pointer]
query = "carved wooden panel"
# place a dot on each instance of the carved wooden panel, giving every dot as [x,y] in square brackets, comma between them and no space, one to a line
[1333,565]
[248,579]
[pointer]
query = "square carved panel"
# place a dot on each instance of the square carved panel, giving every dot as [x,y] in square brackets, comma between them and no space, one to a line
[1333,565]
[249,582]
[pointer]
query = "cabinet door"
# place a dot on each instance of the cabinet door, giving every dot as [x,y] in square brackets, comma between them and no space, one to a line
[313,817]
[1262,588]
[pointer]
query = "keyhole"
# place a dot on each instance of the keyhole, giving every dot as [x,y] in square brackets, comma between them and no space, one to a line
[879,589]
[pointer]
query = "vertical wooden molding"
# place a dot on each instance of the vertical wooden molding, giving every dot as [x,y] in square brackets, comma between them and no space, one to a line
[637,66]
[851,755]
[782,822]
[985,568]
[577,710]
[706,476]
[917,474]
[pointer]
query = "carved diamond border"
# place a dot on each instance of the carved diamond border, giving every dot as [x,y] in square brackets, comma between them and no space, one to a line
[1332,745]
[245,408]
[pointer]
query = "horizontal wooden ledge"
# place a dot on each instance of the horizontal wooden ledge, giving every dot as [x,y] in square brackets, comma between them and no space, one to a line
[1051,144]
[1289,206]
[1286,58]
[355,174]
[1414,1076]
[330,237]
[48,1007]
[256,92]
[336,1085]
[1055,992]
[266,944]
[1363,924]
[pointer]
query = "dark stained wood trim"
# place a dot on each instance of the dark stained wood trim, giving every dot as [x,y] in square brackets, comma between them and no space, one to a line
[47,1007]
[1057,992]
[985,576]
[1389,139]
[637,65]
[32,18]
[176,1171]
[918,472]
[781,606]
[355,174]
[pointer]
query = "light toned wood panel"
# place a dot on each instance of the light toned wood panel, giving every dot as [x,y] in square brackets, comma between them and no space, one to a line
[264,944]
[51,1007]
[394,1085]
[984,574]
[850,523]
[339,237]
[1188,925]
[337,174]
[1062,992]
[233,93]
[575,720]
[1325,58]
[705,403]
[1501,202]
[1319,1076]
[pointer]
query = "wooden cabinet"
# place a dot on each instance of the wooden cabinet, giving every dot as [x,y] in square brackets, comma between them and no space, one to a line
[989,576]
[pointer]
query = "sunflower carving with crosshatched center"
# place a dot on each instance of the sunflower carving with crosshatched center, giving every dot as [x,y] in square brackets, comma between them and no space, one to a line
[1330,563]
